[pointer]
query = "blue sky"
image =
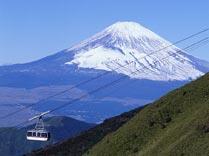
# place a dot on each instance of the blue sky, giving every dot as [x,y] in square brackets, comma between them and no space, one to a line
[32,29]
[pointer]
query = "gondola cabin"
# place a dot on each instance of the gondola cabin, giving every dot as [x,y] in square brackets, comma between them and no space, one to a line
[38,135]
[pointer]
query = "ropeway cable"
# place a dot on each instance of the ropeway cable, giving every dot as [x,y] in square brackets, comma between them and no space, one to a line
[101,75]
[99,88]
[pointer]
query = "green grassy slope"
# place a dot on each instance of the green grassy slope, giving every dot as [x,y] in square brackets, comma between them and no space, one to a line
[13,141]
[176,124]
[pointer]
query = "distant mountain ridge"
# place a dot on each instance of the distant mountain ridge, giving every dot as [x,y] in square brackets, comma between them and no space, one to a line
[13,140]
[80,144]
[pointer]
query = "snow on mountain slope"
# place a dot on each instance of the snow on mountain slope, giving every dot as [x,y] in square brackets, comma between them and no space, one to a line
[125,45]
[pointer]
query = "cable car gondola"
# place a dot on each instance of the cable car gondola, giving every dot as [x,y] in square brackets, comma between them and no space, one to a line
[39,133]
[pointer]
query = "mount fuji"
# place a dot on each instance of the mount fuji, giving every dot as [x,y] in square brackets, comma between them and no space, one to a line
[122,49]
[129,43]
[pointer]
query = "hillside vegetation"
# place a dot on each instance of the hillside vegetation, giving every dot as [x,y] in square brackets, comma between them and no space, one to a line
[175,125]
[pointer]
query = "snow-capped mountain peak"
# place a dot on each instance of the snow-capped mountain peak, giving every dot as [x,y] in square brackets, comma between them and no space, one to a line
[126,45]
[130,30]
[120,34]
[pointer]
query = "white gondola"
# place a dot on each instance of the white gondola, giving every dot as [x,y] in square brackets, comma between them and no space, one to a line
[39,133]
